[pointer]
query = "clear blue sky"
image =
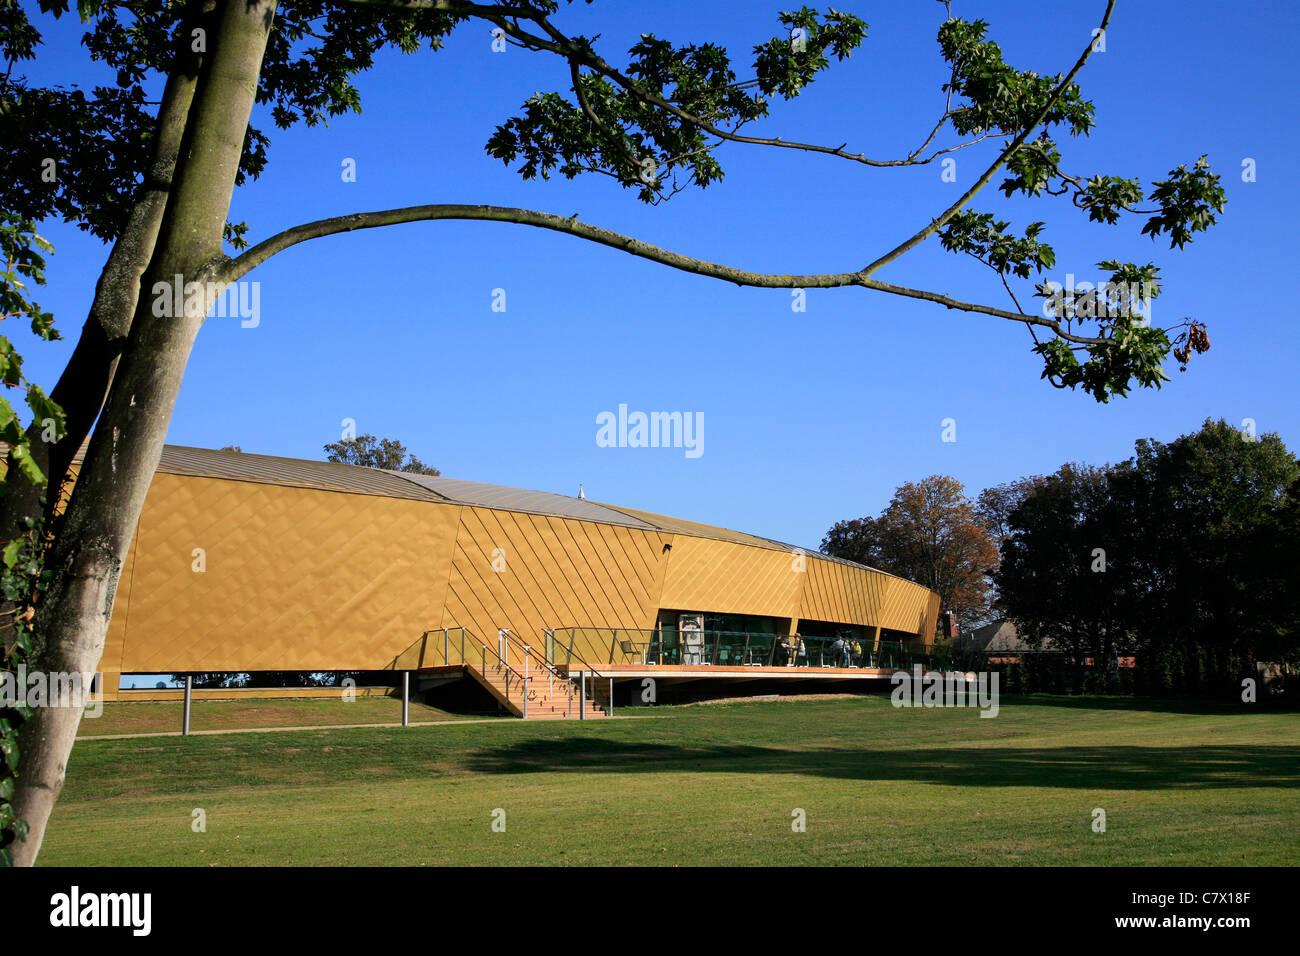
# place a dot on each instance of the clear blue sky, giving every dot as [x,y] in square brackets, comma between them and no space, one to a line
[809,418]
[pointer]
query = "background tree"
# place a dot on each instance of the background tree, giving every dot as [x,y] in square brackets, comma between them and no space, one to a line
[856,539]
[1209,512]
[215,680]
[994,505]
[372,452]
[1183,555]
[1066,572]
[932,534]
[653,126]
[218,681]
[1273,555]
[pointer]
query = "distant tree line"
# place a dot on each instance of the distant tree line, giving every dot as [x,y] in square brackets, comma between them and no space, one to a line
[224,681]
[1185,557]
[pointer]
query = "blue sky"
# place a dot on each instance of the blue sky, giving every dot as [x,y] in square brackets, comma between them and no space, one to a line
[808,417]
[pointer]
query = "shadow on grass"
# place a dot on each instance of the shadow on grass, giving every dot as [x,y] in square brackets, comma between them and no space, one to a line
[1087,768]
[1217,707]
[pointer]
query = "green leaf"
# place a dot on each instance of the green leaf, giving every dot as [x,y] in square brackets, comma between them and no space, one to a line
[31,470]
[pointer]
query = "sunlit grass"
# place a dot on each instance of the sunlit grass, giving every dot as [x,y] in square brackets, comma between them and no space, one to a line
[720,784]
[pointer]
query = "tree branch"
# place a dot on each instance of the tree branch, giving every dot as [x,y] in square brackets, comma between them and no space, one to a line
[564,46]
[578,53]
[937,224]
[232,270]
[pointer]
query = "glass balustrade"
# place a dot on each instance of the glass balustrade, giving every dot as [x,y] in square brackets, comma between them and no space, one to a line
[571,646]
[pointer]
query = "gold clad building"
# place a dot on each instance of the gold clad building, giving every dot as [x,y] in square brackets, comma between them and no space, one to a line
[248,563]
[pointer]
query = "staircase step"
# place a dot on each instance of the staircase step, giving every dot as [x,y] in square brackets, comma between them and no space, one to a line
[551,698]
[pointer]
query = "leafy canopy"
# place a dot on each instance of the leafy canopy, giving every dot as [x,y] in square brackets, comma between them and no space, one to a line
[371,452]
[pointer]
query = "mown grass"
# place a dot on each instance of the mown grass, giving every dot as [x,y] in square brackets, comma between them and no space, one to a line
[1187,784]
[155,717]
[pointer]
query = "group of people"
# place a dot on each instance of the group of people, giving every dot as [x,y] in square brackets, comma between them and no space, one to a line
[786,650]
[843,651]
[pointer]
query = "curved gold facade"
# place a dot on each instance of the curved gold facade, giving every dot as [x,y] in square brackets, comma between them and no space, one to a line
[244,563]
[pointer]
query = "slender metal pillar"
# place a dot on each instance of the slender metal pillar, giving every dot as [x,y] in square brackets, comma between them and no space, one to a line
[189,700]
[406,698]
[611,697]
[582,697]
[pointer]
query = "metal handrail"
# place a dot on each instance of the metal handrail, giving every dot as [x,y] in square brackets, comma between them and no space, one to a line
[423,643]
[428,645]
[523,679]
[586,669]
[483,661]
[465,635]
[816,647]
[574,654]
[528,651]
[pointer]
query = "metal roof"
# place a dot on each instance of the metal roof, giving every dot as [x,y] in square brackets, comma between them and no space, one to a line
[356,479]
[519,499]
[295,472]
[682,526]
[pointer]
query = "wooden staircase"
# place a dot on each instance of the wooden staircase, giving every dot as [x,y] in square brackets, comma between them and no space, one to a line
[549,698]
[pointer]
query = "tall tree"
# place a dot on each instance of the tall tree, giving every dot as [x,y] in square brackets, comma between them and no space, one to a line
[995,504]
[653,126]
[1181,555]
[1273,556]
[855,539]
[931,534]
[1066,572]
[372,452]
[1208,511]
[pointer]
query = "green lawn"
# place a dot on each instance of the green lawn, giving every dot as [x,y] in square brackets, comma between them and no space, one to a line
[713,784]
[156,717]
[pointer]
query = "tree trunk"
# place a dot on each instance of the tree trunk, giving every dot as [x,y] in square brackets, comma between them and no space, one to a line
[83,386]
[100,521]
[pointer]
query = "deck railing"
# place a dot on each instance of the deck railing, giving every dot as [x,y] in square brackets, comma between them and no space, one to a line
[734,649]
[440,647]
[562,650]
[457,647]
